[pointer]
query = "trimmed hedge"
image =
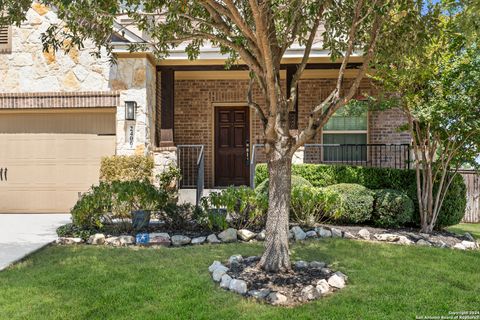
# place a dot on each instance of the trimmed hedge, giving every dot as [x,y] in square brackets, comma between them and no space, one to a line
[348,202]
[320,175]
[392,208]
[126,168]
[297,181]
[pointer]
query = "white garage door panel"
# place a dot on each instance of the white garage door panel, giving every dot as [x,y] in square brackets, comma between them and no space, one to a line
[47,171]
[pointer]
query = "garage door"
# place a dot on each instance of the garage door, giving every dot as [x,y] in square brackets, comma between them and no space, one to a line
[47,159]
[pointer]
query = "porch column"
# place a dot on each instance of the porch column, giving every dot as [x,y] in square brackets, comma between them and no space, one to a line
[167,89]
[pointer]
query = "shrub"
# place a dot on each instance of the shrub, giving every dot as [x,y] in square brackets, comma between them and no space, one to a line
[392,208]
[108,201]
[177,217]
[348,202]
[135,195]
[297,181]
[307,206]
[244,208]
[319,175]
[71,230]
[126,168]
[168,180]
[454,205]
[91,208]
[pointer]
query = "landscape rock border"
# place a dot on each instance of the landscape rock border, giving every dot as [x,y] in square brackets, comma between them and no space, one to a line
[401,237]
[307,281]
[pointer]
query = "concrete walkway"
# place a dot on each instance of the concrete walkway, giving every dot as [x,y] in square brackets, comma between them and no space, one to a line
[22,234]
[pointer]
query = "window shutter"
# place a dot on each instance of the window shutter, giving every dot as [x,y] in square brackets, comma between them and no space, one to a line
[5,39]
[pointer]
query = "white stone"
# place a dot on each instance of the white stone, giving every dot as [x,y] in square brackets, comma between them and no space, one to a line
[126,240]
[311,234]
[469,244]
[317,264]
[301,264]
[261,235]
[229,235]
[422,242]
[277,298]
[214,265]
[342,275]
[459,246]
[180,240]
[298,233]
[113,241]
[364,234]
[66,240]
[238,286]
[310,293]
[348,235]
[387,237]
[213,239]
[324,233]
[323,287]
[96,239]
[198,240]
[235,259]
[336,233]
[218,272]
[245,234]
[225,281]
[159,238]
[259,294]
[405,241]
[336,281]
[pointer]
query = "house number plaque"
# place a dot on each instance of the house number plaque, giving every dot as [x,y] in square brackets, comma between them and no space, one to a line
[131,136]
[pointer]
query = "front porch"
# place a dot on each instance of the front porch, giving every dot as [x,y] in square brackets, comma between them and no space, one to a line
[205,126]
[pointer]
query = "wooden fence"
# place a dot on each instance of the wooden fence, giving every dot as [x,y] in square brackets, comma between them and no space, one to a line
[472,213]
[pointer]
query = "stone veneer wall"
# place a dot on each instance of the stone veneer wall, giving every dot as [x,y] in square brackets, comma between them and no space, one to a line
[194,113]
[134,78]
[28,69]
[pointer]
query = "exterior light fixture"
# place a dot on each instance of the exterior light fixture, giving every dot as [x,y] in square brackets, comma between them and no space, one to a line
[130,110]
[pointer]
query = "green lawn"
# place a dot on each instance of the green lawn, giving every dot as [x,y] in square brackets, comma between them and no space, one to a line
[472,228]
[86,282]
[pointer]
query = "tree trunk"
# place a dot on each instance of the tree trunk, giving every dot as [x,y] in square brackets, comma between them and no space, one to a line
[276,255]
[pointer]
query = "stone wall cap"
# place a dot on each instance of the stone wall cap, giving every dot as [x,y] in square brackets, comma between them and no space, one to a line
[162,149]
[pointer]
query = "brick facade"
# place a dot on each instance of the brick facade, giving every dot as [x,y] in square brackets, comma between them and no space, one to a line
[194,113]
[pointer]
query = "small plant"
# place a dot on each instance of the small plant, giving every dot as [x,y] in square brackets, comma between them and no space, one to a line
[307,206]
[90,211]
[71,230]
[392,208]
[178,217]
[244,208]
[169,181]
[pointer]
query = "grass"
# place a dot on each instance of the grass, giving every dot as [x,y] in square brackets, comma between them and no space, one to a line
[86,282]
[472,228]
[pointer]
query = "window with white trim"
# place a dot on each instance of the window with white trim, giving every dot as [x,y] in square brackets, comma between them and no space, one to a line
[345,134]
[5,39]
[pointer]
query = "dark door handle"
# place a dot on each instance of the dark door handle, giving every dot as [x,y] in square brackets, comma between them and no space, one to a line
[1,174]
[6,174]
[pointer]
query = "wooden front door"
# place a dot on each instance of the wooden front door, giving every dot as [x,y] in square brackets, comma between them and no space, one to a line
[232,146]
